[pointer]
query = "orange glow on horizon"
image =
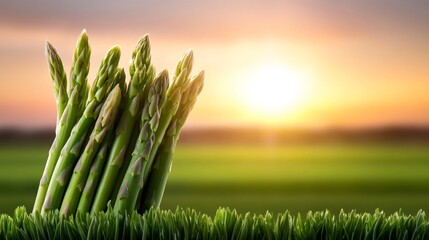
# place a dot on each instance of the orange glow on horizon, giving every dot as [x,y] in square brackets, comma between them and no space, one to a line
[296,69]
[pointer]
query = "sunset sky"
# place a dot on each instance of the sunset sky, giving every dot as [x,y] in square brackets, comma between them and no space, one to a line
[350,63]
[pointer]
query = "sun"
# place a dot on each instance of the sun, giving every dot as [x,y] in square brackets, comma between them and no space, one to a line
[274,90]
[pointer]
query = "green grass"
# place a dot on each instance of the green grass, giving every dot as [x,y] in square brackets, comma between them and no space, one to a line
[226,224]
[261,178]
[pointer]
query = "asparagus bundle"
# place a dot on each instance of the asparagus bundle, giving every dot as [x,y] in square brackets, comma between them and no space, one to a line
[114,141]
[71,150]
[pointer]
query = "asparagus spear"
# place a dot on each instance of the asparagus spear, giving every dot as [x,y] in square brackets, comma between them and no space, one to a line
[59,78]
[132,182]
[80,69]
[126,161]
[94,175]
[141,72]
[155,185]
[104,122]
[130,149]
[78,84]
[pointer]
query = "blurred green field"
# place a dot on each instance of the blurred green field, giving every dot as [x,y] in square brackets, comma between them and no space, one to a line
[260,178]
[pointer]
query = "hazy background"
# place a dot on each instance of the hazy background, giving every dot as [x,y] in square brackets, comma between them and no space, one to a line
[307,104]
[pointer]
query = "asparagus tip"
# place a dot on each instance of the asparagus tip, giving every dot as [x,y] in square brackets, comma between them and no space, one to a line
[48,45]
[83,37]
[188,58]
[189,53]
[49,49]
[200,75]
[163,74]
[116,47]
[200,79]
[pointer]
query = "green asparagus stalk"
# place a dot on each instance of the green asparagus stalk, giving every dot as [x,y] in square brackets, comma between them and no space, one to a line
[59,78]
[104,123]
[130,149]
[54,151]
[72,112]
[80,69]
[132,182]
[154,187]
[127,157]
[126,161]
[94,175]
[141,72]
